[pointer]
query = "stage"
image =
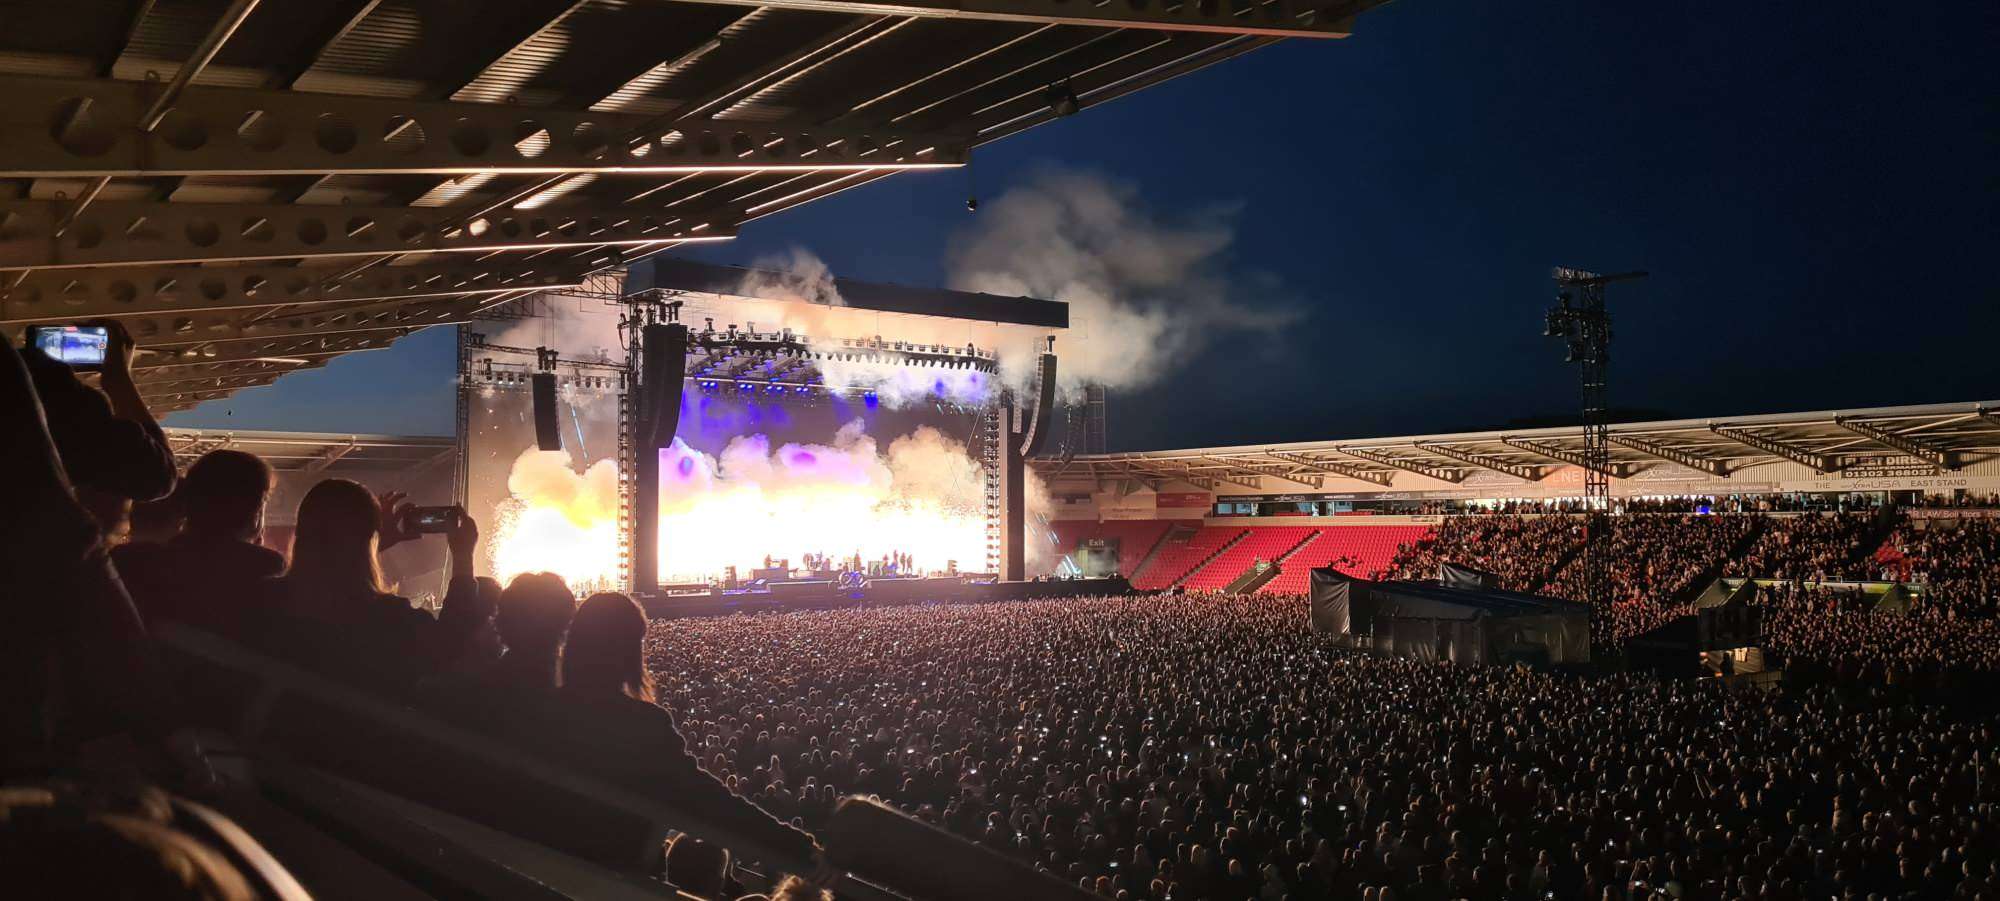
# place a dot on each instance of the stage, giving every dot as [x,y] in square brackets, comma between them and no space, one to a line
[827,595]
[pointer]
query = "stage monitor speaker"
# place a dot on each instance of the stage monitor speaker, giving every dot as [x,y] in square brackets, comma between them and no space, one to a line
[548,425]
[663,370]
[1045,401]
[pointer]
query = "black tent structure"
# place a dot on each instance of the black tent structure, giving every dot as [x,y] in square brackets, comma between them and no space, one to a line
[1459,618]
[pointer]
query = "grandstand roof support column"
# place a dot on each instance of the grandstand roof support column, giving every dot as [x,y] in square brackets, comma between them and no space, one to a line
[1824,464]
[1517,470]
[1453,476]
[1277,472]
[1921,450]
[1560,455]
[1332,467]
[1674,455]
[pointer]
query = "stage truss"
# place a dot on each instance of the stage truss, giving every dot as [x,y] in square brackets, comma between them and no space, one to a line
[773,359]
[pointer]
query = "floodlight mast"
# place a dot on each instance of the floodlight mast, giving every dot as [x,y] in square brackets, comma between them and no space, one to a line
[1581,320]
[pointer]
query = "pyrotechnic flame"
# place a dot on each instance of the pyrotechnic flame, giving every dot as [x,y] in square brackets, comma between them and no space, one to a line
[558,521]
[923,497]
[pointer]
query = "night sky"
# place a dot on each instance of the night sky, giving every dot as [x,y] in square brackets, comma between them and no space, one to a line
[1811,184]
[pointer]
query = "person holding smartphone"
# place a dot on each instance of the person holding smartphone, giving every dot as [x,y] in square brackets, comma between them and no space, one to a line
[332,610]
[108,441]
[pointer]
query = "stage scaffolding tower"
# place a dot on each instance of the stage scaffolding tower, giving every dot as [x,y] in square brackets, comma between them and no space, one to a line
[1581,320]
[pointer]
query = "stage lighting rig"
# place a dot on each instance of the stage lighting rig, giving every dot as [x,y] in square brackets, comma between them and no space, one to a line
[1062,99]
[1581,320]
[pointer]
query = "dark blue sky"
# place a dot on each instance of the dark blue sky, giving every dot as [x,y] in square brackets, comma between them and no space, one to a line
[1812,185]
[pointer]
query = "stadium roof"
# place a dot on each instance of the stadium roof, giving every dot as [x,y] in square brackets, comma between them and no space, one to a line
[1948,436]
[689,277]
[314,452]
[256,187]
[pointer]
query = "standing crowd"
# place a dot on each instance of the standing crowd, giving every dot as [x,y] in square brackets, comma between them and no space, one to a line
[1213,747]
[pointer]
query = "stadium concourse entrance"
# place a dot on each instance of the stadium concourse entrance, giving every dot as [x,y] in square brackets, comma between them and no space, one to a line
[1461,618]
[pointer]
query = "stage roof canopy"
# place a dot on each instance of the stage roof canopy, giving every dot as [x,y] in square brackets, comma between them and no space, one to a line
[255,187]
[688,277]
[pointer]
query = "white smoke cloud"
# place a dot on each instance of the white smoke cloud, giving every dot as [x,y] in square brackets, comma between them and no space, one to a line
[796,275]
[1142,291]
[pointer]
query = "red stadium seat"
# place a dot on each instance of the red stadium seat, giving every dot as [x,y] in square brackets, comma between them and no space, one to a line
[1179,558]
[1372,546]
[1261,543]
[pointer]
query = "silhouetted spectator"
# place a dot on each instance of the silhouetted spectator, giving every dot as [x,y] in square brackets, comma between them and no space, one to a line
[491,694]
[74,663]
[533,617]
[212,575]
[156,522]
[697,867]
[605,682]
[335,614]
[107,438]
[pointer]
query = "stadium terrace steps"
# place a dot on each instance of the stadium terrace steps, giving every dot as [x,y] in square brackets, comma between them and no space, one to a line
[1178,556]
[1258,543]
[1226,547]
[1372,547]
[1153,552]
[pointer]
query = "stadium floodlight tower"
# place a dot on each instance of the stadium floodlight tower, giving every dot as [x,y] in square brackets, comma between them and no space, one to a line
[1580,319]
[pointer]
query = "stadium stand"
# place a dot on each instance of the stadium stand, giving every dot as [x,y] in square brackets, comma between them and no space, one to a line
[1259,543]
[1180,557]
[1354,550]
[1524,551]
[1135,537]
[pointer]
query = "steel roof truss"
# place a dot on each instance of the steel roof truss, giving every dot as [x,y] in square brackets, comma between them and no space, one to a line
[128,233]
[1922,450]
[170,291]
[1453,476]
[1708,465]
[1278,18]
[209,131]
[1822,463]
[1561,455]
[1495,464]
[1332,467]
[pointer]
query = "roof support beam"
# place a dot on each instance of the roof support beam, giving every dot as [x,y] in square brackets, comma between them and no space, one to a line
[219,383]
[1278,18]
[170,403]
[212,383]
[173,293]
[266,351]
[232,131]
[1276,472]
[1824,464]
[1205,479]
[1453,476]
[1541,448]
[332,455]
[394,315]
[1921,450]
[1495,464]
[1141,468]
[1673,455]
[129,233]
[1332,467]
